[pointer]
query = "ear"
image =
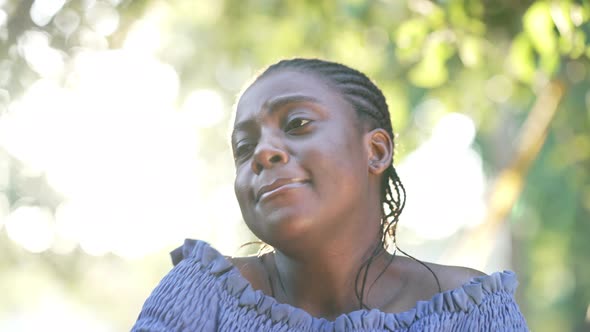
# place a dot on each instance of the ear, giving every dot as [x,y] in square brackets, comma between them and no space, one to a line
[380,150]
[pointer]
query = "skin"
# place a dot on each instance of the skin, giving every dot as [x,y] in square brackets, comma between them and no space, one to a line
[299,140]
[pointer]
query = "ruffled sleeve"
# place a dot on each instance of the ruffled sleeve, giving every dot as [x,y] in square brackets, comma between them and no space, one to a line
[486,303]
[205,292]
[187,298]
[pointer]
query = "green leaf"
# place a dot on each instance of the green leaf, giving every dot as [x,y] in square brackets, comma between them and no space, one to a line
[428,73]
[521,59]
[539,28]
[409,39]
[470,51]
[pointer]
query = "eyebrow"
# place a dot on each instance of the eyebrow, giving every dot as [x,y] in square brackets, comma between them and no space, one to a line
[275,103]
[272,106]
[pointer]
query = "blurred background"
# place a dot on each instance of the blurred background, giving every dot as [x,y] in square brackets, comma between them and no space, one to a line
[114,140]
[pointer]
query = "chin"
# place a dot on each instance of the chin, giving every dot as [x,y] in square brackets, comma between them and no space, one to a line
[282,227]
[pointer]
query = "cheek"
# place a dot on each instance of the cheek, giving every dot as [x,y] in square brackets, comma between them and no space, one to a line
[242,189]
[334,169]
[348,162]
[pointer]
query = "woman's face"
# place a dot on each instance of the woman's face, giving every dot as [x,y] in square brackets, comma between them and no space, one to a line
[301,161]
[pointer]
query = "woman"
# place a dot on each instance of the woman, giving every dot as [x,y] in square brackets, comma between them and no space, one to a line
[313,149]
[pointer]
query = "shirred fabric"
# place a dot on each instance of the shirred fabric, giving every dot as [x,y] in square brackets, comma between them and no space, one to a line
[205,292]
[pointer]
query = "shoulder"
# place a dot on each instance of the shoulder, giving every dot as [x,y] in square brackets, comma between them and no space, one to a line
[249,266]
[492,294]
[209,259]
[451,277]
[189,287]
[424,278]
[252,268]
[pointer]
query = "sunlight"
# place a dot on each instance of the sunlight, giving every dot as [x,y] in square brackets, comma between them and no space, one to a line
[41,57]
[111,143]
[203,108]
[42,11]
[26,130]
[53,311]
[444,180]
[24,219]
[145,35]
[103,18]
[3,18]
[4,209]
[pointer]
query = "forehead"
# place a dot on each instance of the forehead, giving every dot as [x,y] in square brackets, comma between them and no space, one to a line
[286,83]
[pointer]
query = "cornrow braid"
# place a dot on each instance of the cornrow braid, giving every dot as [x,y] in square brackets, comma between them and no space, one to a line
[371,107]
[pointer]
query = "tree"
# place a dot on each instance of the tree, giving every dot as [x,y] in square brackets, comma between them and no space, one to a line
[519,69]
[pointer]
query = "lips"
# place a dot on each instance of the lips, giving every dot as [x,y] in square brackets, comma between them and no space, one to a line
[277,184]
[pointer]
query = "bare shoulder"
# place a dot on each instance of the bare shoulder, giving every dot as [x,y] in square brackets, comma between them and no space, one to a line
[419,281]
[424,282]
[251,268]
[451,277]
[248,265]
[244,261]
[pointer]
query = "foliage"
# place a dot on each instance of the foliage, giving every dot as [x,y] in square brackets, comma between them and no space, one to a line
[490,60]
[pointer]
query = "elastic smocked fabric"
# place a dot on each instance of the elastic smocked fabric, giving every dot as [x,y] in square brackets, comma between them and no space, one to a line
[205,292]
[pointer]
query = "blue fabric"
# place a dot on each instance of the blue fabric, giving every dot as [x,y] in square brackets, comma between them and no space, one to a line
[205,292]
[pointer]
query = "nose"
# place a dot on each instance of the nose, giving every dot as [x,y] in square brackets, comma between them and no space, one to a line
[269,153]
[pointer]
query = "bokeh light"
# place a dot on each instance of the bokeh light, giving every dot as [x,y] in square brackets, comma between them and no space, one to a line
[444,166]
[114,140]
[203,108]
[119,145]
[31,227]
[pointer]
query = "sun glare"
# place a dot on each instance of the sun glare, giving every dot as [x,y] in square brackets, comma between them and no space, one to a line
[445,181]
[111,142]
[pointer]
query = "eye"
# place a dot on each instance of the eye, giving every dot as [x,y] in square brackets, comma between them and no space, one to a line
[243,150]
[296,123]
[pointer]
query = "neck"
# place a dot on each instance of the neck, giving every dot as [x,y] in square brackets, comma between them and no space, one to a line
[318,272]
[324,283]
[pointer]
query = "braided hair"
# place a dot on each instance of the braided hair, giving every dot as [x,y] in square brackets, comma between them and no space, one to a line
[372,110]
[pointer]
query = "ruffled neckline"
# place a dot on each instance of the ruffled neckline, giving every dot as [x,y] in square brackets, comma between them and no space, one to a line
[460,299]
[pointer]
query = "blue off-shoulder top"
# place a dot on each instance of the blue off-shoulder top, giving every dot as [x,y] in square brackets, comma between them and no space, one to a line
[205,292]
